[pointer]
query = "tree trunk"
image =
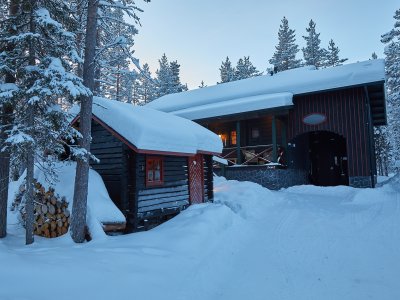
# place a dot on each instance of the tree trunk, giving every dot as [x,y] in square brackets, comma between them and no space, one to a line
[30,151]
[30,218]
[78,221]
[6,122]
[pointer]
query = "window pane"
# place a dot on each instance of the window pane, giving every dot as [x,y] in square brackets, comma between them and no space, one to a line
[233,137]
[255,133]
[150,175]
[157,175]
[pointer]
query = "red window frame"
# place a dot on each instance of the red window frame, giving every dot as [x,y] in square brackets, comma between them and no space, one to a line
[154,165]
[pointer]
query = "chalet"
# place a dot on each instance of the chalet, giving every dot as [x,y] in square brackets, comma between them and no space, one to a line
[294,127]
[153,164]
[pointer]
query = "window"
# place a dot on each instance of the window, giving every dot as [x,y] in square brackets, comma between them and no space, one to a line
[154,171]
[255,133]
[233,137]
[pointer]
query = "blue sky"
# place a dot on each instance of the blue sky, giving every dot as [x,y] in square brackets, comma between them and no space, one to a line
[200,34]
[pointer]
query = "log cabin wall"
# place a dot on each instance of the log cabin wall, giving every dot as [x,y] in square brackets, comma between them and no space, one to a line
[170,197]
[111,167]
[346,114]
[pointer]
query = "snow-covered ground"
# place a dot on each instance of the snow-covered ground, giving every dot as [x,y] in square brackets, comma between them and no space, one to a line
[304,242]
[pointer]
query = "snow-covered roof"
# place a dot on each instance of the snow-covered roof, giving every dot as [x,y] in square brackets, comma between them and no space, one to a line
[218,99]
[153,130]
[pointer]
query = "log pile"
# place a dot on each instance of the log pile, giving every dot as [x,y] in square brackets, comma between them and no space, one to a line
[52,217]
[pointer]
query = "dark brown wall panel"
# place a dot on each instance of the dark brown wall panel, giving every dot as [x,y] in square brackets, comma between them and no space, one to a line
[346,114]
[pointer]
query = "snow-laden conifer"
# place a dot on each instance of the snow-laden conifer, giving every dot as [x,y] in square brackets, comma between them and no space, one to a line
[332,58]
[146,90]
[227,72]
[39,55]
[313,54]
[284,57]
[392,62]
[245,69]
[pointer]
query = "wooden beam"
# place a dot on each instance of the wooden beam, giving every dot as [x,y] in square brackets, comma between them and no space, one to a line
[283,134]
[238,136]
[274,145]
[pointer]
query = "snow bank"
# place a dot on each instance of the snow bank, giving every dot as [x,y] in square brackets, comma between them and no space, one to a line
[101,209]
[101,206]
[296,81]
[247,199]
[149,129]
[300,243]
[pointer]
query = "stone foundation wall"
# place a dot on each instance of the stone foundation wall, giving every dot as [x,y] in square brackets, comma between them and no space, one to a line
[273,179]
[361,181]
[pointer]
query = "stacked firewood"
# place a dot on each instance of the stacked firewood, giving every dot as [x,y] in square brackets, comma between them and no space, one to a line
[52,217]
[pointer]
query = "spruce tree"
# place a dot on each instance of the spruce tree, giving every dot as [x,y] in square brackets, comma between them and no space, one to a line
[392,63]
[313,54]
[284,57]
[332,56]
[227,72]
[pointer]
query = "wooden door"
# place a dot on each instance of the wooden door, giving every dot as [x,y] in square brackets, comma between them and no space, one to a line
[196,179]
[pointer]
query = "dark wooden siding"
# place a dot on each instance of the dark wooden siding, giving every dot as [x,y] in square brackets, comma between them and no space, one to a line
[172,195]
[347,115]
[110,151]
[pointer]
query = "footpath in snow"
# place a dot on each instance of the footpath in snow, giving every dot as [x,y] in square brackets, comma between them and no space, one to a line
[304,242]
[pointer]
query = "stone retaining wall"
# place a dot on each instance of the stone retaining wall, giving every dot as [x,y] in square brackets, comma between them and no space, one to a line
[268,177]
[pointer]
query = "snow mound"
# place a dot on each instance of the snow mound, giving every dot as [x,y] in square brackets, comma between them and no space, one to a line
[101,208]
[247,199]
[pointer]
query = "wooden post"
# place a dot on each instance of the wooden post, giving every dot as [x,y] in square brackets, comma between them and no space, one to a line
[274,146]
[283,134]
[238,136]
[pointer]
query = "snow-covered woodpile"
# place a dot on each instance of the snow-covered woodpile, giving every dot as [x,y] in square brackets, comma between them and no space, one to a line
[52,217]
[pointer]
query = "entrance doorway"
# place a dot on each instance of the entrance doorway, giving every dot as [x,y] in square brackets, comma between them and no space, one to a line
[196,179]
[324,155]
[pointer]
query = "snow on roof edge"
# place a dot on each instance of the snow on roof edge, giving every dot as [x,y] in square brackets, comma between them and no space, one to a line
[296,81]
[235,106]
[153,130]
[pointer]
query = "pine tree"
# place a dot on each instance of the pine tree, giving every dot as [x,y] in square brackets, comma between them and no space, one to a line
[164,79]
[115,38]
[284,57]
[6,107]
[374,56]
[146,86]
[245,69]
[177,86]
[40,61]
[392,62]
[79,207]
[313,54]
[332,56]
[227,71]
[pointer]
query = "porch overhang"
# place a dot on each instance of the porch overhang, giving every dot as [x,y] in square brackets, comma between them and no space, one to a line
[238,106]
